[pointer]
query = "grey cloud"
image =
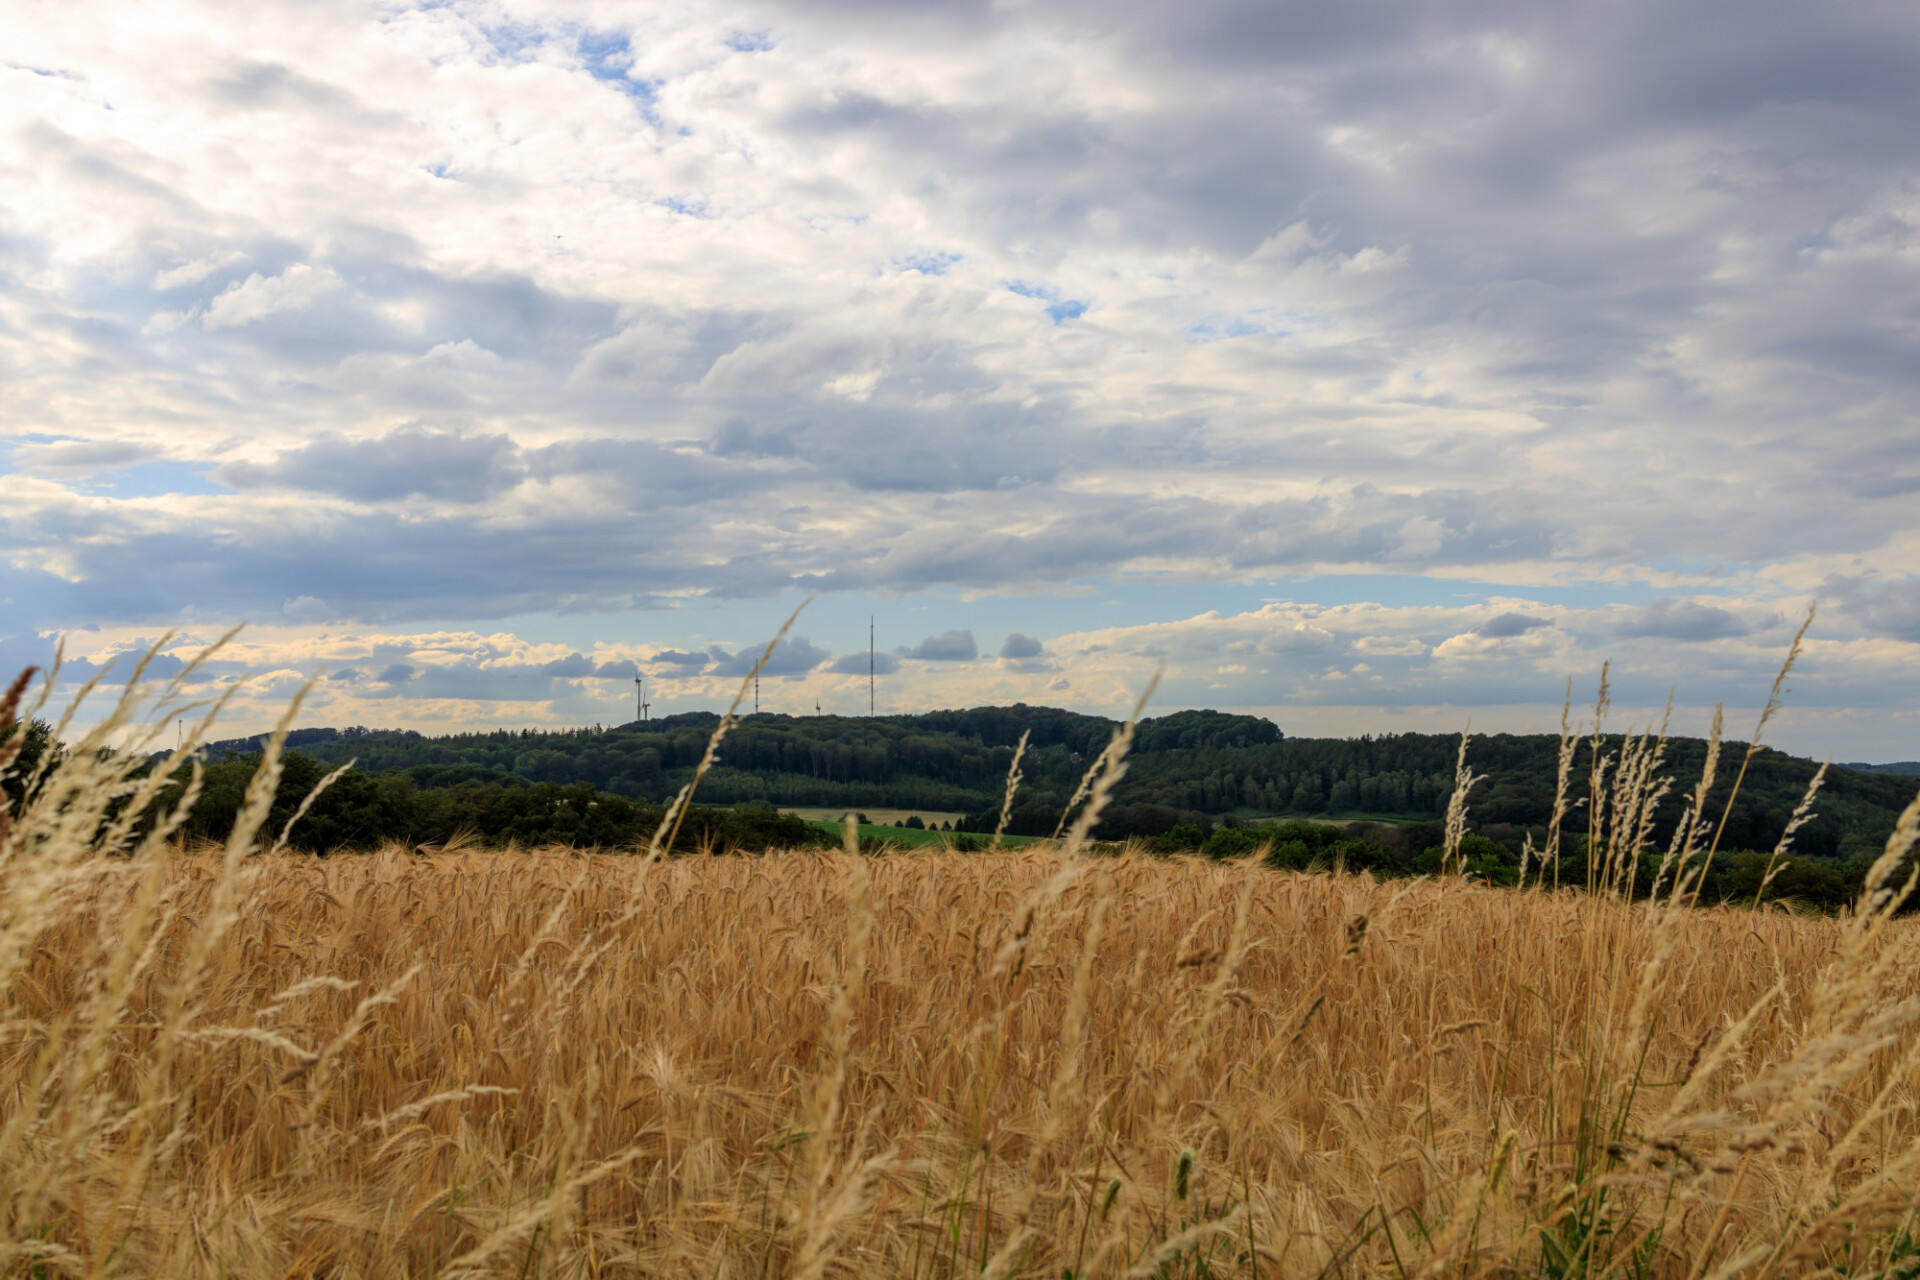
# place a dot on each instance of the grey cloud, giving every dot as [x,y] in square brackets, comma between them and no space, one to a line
[163,666]
[894,448]
[381,563]
[516,683]
[791,657]
[306,609]
[855,664]
[948,646]
[1507,625]
[96,170]
[643,472]
[1025,655]
[1882,485]
[1882,608]
[1092,537]
[121,663]
[680,658]
[571,667]
[737,439]
[513,315]
[1376,232]
[1021,646]
[408,462]
[340,325]
[619,669]
[1302,640]
[81,458]
[269,85]
[466,671]
[661,350]
[1677,619]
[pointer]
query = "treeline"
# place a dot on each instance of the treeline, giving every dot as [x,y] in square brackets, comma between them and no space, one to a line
[469,800]
[364,811]
[1185,768]
[1395,850]
[957,759]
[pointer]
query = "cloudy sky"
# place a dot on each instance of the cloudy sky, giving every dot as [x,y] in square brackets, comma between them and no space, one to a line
[1373,366]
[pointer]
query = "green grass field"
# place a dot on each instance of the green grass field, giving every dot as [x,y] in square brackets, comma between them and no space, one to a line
[1334,819]
[909,838]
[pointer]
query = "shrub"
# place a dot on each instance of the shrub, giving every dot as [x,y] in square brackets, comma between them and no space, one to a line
[1801,880]
[1230,843]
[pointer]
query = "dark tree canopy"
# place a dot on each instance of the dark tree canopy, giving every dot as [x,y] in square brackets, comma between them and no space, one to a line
[1195,768]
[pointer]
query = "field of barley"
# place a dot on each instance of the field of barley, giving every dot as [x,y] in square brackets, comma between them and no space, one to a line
[1047,1061]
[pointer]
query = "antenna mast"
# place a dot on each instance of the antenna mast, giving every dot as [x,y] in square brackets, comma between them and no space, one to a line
[756,691]
[869,665]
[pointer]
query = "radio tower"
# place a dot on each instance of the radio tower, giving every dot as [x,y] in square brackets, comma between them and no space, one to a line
[869,666]
[756,691]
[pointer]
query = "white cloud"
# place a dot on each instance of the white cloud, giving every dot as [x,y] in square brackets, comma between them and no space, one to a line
[531,308]
[193,272]
[1849,698]
[258,297]
[1391,646]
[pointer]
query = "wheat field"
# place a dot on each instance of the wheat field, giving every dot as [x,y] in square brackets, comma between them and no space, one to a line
[547,1063]
[1059,1061]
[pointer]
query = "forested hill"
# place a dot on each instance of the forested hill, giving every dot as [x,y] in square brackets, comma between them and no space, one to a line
[1186,767]
[1906,768]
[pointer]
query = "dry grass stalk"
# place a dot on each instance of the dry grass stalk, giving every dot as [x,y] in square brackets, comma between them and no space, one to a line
[1105,773]
[1597,764]
[1013,786]
[1569,742]
[1802,814]
[1464,780]
[1776,697]
[677,811]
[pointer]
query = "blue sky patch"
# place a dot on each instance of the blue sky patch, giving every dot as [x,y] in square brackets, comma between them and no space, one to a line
[606,54]
[749,41]
[930,264]
[158,479]
[512,41]
[1061,309]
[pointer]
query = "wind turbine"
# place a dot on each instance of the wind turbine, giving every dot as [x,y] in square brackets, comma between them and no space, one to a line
[640,695]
